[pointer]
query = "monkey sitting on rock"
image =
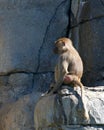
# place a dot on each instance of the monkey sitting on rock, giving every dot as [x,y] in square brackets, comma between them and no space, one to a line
[69,68]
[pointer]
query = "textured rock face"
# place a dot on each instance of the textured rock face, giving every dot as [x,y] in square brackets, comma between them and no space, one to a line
[19,115]
[87,34]
[67,112]
[28,29]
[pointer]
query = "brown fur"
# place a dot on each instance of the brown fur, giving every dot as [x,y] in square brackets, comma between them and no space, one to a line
[69,64]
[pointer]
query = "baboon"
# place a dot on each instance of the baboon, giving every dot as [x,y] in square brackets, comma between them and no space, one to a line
[69,68]
[74,80]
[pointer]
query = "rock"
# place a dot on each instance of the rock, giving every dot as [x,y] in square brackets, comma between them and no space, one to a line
[57,27]
[95,99]
[21,83]
[87,35]
[42,81]
[28,29]
[90,43]
[25,27]
[13,86]
[73,127]
[86,10]
[19,115]
[62,111]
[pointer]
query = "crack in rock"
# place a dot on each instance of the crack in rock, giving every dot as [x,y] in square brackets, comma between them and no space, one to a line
[24,72]
[88,20]
[69,23]
[47,28]
[102,2]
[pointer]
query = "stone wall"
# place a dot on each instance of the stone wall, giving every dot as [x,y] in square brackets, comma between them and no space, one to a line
[28,29]
[87,21]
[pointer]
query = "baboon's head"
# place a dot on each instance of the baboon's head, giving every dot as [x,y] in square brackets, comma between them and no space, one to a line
[62,45]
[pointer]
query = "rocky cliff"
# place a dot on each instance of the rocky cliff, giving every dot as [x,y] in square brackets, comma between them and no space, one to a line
[28,29]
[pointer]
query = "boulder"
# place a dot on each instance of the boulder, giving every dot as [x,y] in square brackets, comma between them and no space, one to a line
[68,110]
[86,30]
[18,115]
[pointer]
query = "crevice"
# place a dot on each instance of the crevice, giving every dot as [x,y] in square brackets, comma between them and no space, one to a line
[102,2]
[93,125]
[15,72]
[85,21]
[33,80]
[95,89]
[25,72]
[84,125]
[62,109]
[44,38]
[69,24]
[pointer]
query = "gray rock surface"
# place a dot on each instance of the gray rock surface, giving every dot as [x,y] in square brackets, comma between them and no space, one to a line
[62,111]
[73,127]
[86,10]
[14,86]
[87,25]
[28,29]
[19,114]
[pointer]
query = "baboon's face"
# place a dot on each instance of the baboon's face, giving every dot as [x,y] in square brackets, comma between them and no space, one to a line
[62,45]
[59,47]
